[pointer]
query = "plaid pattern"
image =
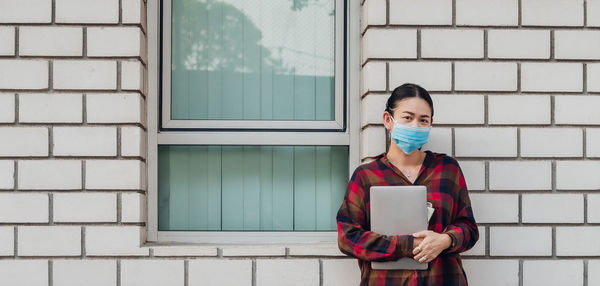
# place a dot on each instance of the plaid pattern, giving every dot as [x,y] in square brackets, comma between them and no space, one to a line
[447,192]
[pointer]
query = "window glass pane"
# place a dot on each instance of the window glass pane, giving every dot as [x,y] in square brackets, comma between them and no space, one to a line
[253,59]
[250,188]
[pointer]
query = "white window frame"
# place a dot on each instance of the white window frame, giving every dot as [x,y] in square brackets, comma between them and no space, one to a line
[336,124]
[348,137]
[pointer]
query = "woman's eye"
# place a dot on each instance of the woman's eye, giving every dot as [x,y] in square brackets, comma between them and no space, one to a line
[407,117]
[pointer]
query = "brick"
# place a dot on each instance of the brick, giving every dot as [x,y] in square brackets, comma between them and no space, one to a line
[85,74]
[577,241]
[532,241]
[372,107]
[593,208]
[593,277]
[133,206]
[152,272]
[519,109]
[23,141]
[7,241]
[542,142]
[50,108]
[289,272]
[495,208]
[474,173]
[185,250]
[577,109]
[556,77]
[593,77]
[7,108]
[374,76]
[433,76]
[519,44]
[132,75]
[560,13]
[220,272]
[26,11]
[475,142]
[592,142]
[520,175]
[577,175]
[115,42]
[485,76]
[114,108]
[49,241]
[114,241]
[479,248]
[577,44]
[132,11]
[253,250]
[84,141]
[24,272]
[372,141]
[487,12]
[541,208]
[133,141]
[114,174]
[440,140]
[87,11]
[7,172]
[496,272]
[321,249]
[41,41]
[7,41]
[84,272]
[458,109]
[451,43]
[49,174]
[23,74]
[374,13]
[553,272]
[85,207]
[340,272]
[23,207]
[593,15]
[427,12]
[399,44]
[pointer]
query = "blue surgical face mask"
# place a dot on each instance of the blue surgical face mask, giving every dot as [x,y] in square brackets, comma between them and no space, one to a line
[409,138]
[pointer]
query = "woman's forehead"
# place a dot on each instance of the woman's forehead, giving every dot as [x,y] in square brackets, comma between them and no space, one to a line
[413,105]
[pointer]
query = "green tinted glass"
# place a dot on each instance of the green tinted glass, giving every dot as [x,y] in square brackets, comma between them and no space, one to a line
[251,188]
[253,60]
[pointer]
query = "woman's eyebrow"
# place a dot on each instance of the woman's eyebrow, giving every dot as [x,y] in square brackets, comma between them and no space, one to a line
[424,115]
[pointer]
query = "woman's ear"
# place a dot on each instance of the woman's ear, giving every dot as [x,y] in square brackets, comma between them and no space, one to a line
[387,121]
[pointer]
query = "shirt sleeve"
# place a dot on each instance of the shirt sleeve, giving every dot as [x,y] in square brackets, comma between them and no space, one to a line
[353,237]
[463,229]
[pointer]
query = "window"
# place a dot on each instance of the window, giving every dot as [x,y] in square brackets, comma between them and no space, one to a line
[250,140]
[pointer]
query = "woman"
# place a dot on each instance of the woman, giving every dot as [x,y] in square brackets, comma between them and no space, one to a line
[452,229]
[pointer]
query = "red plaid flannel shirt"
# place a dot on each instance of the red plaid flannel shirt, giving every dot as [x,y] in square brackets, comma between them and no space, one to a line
[447,191]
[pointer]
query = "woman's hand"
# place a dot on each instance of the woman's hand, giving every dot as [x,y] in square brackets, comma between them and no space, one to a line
[429,245]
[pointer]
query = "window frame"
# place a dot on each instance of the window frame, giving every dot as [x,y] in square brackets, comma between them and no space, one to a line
[338,124]
[348,136]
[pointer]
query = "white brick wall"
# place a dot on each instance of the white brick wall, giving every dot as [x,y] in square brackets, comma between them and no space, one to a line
[542,208]
[553,272]
[57,241]
[84,272]
[520,241]
[450,43]
[518,44]
[73,141]
[487,12]
[523,175]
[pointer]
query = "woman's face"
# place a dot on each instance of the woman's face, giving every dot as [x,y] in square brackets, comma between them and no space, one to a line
[413,111]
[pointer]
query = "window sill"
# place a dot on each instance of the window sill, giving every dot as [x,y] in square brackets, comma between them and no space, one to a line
[236,250]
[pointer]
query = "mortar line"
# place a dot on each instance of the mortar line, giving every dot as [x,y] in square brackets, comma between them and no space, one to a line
[320,272]
[186,272]
[50,270]
[16,41]
[15,175]
[50,208]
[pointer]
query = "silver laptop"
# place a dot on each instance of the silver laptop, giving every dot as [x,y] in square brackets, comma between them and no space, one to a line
[398,210]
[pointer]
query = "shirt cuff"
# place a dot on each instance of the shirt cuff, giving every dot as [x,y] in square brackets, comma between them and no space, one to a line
[404,248]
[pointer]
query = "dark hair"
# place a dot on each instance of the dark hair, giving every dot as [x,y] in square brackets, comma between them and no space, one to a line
[405,91]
